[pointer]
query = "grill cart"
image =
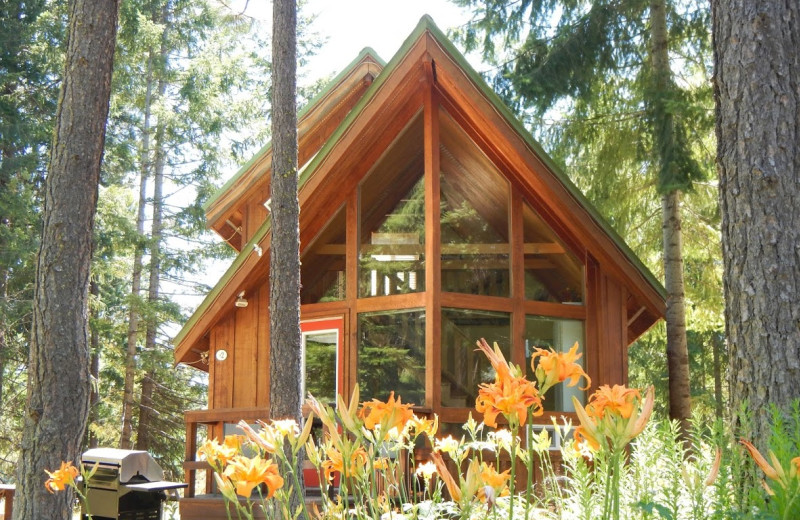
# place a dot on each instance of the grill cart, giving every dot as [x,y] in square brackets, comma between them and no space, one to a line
[127,485]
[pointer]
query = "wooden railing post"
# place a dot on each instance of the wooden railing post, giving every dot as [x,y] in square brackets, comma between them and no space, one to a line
[7,495]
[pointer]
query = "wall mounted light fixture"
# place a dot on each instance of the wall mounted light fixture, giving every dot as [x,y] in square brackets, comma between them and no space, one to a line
[240,301]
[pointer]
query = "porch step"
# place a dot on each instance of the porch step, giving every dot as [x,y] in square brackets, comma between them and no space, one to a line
[212,507]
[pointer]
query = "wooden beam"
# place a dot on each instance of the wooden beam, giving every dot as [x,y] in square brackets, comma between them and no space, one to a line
[433,306]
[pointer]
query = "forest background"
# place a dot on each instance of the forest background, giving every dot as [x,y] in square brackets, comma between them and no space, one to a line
[190,102]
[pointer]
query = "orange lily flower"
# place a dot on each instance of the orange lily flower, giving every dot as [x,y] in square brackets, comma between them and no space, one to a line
[61,478]
[511,394]
[246,473]
[556,367]
[391,414]
[493,480]
[218,455]
[610,414]
[358,461]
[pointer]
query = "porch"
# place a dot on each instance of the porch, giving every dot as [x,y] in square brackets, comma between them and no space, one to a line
[201,500]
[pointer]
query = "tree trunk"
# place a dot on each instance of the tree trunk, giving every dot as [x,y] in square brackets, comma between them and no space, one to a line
[94,372]
[716,341]
[757,91]
[146,411]
[134,312]
[285,349]
[680,406]
[58,369]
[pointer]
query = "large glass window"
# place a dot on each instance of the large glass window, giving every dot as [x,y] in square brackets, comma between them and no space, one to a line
[391,355]
[392,211]
[322,270]
[552,273]
[560,335]
[474,217]
[463,367]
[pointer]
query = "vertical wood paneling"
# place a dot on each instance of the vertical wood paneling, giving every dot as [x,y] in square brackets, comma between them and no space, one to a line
[223,370]
[262,361]
[245,360]
[433,306]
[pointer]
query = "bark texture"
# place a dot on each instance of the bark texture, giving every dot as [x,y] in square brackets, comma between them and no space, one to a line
[285,392]
[757,91]
[58,370]
[680,404]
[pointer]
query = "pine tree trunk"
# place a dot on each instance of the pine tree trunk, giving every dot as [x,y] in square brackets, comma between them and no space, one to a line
[146,411]
[3,341]
[716,341]
[58,369]
[94,372]
[285,349]
[680,406]
[144,431]
[757,91]
[134,311]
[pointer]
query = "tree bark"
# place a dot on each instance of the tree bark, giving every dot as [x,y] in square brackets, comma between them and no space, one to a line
[757,94]
[94,372]
[58,369]
[134,311]
[285,348]
[680,405]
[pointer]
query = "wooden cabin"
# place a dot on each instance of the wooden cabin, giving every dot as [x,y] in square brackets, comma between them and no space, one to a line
[429,219]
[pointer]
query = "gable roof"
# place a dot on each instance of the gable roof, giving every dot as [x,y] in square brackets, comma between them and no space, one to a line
[474,104]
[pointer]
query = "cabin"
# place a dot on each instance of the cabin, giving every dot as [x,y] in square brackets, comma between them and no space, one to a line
[429,218]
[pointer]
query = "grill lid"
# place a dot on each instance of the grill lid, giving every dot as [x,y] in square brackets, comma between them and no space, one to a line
[129,463]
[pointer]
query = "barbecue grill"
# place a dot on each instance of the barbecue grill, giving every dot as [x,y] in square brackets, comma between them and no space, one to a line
[126,485]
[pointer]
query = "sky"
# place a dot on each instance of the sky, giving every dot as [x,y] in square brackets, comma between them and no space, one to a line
[348,26]
[383,25]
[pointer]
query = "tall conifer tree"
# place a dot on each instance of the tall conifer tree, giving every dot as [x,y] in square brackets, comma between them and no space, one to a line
[285,392]
[757,91]
[58,375]
[569,55]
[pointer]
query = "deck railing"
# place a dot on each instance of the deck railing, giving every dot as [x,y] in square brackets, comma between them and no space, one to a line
[214,422]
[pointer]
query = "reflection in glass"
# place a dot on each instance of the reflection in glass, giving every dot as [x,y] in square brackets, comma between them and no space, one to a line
[322,271]
[392,212]
[552,273]
[320,364]
[464,368]
[391,355]
[474,217]
[560,335]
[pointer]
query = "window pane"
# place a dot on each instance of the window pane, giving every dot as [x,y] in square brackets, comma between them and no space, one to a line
[552,273]
[560,335]
[463,367]
[391,355]
[474,217]
[322,270]
[320,365]
[392,211]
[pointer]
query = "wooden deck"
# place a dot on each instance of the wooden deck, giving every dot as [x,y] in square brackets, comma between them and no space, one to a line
[212,507]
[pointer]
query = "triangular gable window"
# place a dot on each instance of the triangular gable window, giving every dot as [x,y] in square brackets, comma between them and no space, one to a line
[322,271]
[474,217]
[392,246]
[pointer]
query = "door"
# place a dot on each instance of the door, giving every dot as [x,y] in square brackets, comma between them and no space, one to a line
[323,371]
